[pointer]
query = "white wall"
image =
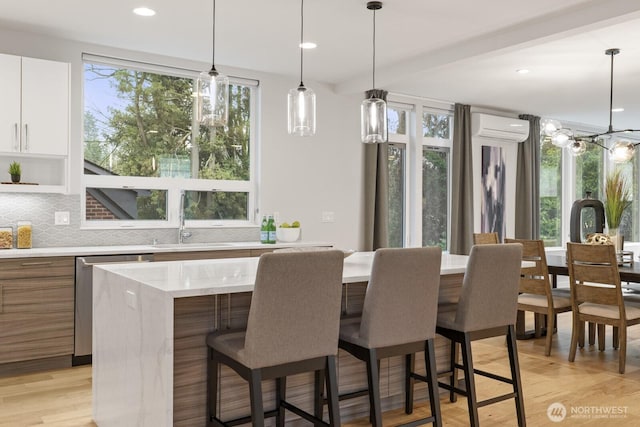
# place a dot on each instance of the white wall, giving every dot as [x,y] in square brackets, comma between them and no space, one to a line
[298,177]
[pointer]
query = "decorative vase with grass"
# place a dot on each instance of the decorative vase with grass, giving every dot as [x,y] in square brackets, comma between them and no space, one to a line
[15,172]
[617,199]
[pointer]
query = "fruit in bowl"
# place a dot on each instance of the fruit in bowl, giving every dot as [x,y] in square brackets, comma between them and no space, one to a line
[288,232]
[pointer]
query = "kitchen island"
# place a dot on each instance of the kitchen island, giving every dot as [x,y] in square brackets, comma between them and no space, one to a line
[149,348]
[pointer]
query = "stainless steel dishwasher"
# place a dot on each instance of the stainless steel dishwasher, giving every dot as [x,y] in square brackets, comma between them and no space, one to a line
[84,300]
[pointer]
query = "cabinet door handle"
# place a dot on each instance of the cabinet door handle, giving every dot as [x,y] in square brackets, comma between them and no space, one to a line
[16,146]
[26,137]
[31,264]
[1,299]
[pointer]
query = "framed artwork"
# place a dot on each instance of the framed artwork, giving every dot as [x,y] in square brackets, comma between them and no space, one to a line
[493,191]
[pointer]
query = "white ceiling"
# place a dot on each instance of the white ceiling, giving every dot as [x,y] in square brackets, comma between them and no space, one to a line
[452,50]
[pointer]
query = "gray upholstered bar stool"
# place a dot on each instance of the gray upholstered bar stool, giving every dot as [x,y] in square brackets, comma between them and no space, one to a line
[487,308]
[293,327]
[398,319]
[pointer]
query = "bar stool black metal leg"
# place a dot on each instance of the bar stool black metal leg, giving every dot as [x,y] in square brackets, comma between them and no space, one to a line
[281,394]
[409,367]
[332,392]
[432,378]
[255,394]
[467,362]
[453,379]
[318,390]
[515,375]
[212,385]
[373,376]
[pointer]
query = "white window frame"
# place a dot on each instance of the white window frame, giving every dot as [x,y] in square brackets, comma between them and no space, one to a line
[174,186]
[414,143]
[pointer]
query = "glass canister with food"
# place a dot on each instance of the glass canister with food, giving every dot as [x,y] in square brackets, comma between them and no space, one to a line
[23,235]
[6,237]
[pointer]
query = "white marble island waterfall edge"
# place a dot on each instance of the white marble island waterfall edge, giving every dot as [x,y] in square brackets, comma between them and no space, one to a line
[133,328]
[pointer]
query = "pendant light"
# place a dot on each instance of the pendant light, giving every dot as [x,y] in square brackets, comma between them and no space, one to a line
[373,112]
[621,149]
[301,102]
[213,90]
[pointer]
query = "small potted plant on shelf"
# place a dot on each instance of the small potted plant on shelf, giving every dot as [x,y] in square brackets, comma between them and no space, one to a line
[15,171]
[617,199]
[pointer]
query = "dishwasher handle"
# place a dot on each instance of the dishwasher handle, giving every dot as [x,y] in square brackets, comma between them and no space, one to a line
[140,258]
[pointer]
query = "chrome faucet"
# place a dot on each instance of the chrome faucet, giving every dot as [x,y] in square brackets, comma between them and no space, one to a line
[182,233]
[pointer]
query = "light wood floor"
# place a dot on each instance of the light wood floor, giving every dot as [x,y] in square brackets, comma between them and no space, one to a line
[63,398]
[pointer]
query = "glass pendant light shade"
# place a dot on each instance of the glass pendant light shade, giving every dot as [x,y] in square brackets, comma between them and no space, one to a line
[622,151]
[549,126]
[562,138]
[213,98]
[301,104]
[577,148]
[373,124]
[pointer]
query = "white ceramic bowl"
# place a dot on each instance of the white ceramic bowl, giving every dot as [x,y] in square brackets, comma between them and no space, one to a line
[287,234]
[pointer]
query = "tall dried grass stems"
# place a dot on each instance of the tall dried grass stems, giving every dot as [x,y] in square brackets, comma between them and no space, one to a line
[617,198]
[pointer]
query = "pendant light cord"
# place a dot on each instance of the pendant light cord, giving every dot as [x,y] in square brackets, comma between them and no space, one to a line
[374,49]
[213,42]
[301,39]
[611,96]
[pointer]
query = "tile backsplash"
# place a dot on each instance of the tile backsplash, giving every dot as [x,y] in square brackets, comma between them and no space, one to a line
[40,210]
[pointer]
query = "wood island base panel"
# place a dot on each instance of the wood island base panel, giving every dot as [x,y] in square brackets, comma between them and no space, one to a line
[150,328]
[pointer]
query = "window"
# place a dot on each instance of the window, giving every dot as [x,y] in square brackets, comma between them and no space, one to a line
[419,175]
[550,194]
[396,195]
[435,196]
[142,146]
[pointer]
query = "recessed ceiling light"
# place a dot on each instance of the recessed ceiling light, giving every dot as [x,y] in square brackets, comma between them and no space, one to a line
[617,110]
[144,11]
[308,45]
[522,71]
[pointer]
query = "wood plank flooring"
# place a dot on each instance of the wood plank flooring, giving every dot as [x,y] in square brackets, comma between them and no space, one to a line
[62,398]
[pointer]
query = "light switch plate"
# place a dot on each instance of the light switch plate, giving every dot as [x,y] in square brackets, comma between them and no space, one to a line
[62,218]
[328,216]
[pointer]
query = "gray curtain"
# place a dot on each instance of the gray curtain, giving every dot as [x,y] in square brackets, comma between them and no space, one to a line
[528,183]
[376,190]
[462,182]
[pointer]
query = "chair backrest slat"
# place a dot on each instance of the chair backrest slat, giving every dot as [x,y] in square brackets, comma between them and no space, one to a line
[534,280]
[485,238]
[594,275]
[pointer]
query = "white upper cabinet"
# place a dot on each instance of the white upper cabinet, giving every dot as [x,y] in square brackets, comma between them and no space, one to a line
[10,123]
[36,120]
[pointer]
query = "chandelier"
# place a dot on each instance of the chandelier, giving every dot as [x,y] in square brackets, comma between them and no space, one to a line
[620,150]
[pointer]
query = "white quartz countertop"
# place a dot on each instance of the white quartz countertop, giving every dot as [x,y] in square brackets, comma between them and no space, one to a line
[146,249]
[222,276]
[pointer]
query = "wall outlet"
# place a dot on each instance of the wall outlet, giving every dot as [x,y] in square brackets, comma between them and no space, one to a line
[62,218]
[328,216]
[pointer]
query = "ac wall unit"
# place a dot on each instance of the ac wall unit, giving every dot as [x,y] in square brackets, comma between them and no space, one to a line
[496,127]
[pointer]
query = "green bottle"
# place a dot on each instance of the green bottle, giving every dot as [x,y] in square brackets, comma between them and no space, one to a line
[264,230]
[271,227]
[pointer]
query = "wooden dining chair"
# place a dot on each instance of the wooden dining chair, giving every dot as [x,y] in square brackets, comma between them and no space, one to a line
[596,295]
[536,294]
[485,238]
